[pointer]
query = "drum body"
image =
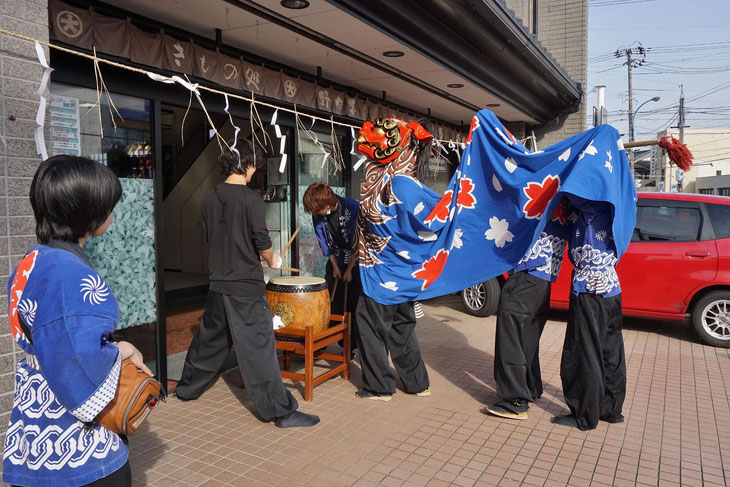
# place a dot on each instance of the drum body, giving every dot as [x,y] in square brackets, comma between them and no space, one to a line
[300,301]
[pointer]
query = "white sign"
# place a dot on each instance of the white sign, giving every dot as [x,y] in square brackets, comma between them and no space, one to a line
[64,128]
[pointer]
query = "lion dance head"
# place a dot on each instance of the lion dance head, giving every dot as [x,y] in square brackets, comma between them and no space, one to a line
[393,148]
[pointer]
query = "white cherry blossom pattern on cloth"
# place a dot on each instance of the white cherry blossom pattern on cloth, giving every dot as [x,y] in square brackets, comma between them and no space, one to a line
[390,285]
[457,242]
[499,232]
[510,164]
[590,150]
[497,185]
[596,268]
[94,289]
[565,155]
[539,195]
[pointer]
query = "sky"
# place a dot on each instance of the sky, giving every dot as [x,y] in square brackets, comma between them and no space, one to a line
[686,42]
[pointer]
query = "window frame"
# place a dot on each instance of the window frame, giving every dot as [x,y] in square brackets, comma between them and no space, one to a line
[704,231]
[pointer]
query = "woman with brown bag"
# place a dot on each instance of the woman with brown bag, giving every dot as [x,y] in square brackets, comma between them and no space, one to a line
[61,315]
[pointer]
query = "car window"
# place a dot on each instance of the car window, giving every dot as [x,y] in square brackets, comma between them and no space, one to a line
[666,224]
[720,218]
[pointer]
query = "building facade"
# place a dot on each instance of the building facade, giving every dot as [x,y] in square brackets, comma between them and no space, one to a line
[163,144]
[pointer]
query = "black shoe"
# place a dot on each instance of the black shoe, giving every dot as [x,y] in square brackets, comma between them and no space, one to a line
[509,409]
[296,419]
[363,394]
[181,399]
[614,419]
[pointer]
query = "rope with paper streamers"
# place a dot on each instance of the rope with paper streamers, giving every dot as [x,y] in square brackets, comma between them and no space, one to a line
[40,117]
[169,80]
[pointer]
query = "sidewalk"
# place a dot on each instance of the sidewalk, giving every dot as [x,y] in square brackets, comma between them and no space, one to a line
[677,428]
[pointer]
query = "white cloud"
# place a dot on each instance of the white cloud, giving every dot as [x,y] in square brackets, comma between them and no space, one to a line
[405,254]
[418,209]
[564,156]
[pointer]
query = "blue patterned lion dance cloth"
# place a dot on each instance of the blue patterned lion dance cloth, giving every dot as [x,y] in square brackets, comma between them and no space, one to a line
[416,244]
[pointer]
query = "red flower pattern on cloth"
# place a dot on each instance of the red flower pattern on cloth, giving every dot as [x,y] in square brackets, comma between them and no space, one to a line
[539,195]
[441,211]
[432,268]
[22,273]
[474,125]
[561,213]
[466,198]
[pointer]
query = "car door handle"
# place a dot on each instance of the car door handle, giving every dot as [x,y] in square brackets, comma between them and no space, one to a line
[697,253]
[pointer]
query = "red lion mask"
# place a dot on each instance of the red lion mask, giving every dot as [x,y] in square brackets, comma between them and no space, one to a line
[384,140]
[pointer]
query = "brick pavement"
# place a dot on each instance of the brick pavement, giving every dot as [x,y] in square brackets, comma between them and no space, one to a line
[677,428]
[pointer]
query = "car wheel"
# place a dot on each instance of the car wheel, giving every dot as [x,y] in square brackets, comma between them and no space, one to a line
[711,318]
[482,299]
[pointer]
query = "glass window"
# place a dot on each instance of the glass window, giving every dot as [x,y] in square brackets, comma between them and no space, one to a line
[125,255]
[667,224]
[720,218]
[723,191]
[313,169]
[706,190]
[76,125]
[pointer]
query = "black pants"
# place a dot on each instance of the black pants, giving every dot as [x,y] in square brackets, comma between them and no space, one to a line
[119,478]
[593,367]
[389,328]
[354,290]
[244,322]
[521,316]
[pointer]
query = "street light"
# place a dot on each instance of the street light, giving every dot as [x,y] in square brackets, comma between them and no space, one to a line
[633,117]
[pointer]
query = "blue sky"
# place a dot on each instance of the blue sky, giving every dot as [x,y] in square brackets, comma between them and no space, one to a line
[686,42]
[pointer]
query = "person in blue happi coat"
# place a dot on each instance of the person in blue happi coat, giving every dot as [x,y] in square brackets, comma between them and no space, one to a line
[62,315]
[334,219]
[593,365]
[521,316]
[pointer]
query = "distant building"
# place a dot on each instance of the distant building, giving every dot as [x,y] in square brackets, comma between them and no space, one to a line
[710,173]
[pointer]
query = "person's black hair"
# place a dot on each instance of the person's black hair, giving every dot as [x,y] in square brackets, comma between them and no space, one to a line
[229,160]
[71,197]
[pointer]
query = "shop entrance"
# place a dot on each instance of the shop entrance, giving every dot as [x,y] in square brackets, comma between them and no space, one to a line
[190,152]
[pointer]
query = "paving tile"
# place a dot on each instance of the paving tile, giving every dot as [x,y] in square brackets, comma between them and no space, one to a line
[446,440]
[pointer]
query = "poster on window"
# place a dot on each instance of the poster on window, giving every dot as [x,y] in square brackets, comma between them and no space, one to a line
[65,129]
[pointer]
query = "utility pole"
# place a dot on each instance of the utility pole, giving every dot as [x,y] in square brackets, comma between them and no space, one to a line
[631,105]
[681,114]
[631,63]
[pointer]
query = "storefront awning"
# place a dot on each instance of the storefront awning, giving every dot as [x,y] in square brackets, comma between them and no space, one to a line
[482,42]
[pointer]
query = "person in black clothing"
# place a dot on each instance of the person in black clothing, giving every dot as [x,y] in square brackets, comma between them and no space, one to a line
[236,311]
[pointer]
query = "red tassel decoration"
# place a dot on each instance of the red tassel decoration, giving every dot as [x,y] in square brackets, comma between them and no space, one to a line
[678,152]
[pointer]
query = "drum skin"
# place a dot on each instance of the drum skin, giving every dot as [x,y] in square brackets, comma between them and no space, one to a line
[300,301]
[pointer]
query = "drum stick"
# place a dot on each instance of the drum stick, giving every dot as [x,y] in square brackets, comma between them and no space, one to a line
[334,290]
[290,269]
[294,235]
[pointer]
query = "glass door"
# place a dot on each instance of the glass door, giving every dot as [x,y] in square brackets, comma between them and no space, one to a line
[313,169]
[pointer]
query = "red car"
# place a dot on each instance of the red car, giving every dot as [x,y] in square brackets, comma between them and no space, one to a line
[677,266]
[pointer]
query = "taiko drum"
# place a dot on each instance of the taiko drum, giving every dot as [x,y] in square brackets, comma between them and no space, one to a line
[299,301]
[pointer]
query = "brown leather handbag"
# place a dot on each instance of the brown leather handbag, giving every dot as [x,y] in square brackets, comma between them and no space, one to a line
[136,395]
